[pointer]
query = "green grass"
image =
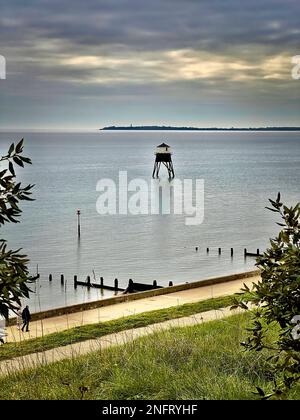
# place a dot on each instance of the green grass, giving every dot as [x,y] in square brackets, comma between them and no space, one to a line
[86,332]
[205,361]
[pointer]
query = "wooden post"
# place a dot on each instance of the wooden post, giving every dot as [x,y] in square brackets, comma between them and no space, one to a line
[170,283]
[88,279]
[62,279]
[245,252]
[130,287]
[116,284]
[78,223]
[231,252]
[101,281]
[207,250]
[75,282]
[50,277]
[257,251]
[220,250]
[154,283]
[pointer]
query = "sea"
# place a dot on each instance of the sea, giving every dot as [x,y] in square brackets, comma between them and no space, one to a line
[238,171]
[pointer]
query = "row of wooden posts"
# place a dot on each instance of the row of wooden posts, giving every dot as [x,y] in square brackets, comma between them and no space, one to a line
[88,283]
[116,287]
[246,253]
[100,285]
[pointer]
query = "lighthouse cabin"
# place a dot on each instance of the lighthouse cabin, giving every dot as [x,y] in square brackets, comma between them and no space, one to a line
[164,149]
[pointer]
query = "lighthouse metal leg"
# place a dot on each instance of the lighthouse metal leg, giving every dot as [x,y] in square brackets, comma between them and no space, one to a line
[172,170]
[154,169]
[158,168]
[169,167]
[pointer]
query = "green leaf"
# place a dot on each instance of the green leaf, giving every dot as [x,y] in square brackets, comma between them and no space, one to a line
[11,149]
[19,146]
[278,198]
[11,169]
[18,161]
[275,211]
[25,159]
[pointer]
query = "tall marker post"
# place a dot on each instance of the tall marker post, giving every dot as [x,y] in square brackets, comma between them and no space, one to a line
[78,223]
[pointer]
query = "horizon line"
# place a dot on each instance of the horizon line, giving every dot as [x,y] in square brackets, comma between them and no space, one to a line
[149,128]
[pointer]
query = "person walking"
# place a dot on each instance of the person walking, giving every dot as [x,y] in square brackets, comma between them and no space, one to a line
[26,318]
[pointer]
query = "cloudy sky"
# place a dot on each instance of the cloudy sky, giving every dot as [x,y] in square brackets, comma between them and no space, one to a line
[78,64]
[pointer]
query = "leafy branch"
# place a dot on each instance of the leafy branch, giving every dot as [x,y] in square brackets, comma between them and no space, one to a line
[14,274]
[276,301]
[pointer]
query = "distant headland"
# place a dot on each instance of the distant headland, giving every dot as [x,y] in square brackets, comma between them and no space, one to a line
[172,128]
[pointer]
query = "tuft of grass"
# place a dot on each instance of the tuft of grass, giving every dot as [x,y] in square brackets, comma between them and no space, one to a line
[201,362]
[91,331]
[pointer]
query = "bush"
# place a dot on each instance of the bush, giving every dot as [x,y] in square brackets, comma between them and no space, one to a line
[14,275]
[277,301]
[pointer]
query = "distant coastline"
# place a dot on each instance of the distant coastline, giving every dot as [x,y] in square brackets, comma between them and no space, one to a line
[172,128]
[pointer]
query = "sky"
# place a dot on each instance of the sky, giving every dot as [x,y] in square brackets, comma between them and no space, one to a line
[73,64]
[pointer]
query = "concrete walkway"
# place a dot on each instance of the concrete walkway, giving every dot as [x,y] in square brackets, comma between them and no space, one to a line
[120,310]
[78,349]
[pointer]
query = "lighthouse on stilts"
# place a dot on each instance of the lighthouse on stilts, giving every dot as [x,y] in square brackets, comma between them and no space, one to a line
[163,155]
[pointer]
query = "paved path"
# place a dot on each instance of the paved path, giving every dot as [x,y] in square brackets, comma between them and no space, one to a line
[120,310]
[78,349]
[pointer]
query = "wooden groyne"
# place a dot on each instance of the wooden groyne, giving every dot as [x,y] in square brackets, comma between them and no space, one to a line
[252,254]
[132,286]
[100,285]
[231,251]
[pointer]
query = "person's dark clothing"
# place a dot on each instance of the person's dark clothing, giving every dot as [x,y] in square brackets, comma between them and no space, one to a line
[26,319]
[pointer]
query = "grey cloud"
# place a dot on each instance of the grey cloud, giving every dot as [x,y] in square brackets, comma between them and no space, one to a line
[159,24]
[39,36]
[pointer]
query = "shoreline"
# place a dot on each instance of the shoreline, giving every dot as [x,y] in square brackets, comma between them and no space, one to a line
[121,298]
[134,304]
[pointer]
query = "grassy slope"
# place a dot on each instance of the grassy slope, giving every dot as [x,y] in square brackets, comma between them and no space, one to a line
[200,362]
[86,332]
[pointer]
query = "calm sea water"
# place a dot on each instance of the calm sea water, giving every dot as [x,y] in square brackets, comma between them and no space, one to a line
[241,170]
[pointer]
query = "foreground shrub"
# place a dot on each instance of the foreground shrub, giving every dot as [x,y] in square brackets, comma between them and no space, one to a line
[277,302]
